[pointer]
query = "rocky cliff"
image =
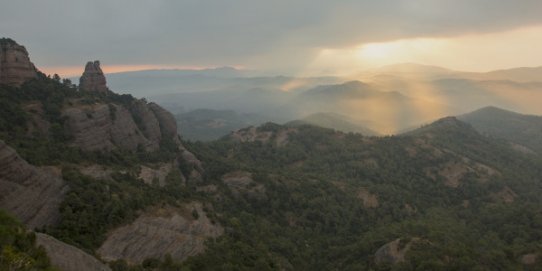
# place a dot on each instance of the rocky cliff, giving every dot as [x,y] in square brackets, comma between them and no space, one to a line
[68,258]
[128,125]
[106,126]
[15,65]
[93,78]
[173,231]
[27,192]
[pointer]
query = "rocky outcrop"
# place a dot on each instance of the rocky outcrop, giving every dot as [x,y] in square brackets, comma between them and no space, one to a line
[454,172]
[242,183]
[529,259]
[394,251]
[369,200]
[148,124]
[97,127]
[68,258]
[161,231]
[105,127]
[157,175]
[37,125]
[93,78]
[15,65]
[166,121]
[29,193]
[254,134]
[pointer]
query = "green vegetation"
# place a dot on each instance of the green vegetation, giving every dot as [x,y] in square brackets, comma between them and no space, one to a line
[329,200]
[53,148]
[208,124]
[92,207]
[312,216]
[18,250]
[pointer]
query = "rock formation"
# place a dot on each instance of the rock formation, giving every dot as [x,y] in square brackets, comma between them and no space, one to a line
[393,252]
[93,78]
[242,183]
[68,258]
[27,192]
[105,127]
[159,232]
[15,66]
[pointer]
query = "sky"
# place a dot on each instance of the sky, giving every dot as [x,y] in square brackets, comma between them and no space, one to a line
[308,37]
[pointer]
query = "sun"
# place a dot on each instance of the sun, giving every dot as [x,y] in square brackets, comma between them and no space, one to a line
[398,51]
[376,51]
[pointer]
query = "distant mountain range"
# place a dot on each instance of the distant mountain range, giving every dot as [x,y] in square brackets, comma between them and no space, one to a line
[333,121]
[524,132]
[208,124]
[386,100]
[428,72]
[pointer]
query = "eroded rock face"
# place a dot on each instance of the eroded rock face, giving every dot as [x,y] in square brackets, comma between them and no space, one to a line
[15,65]
[253,134]
[27,192]
[106,126]
[159,232]
[393,252]
[157,175]
[93,78]
[167,122]
[149,125]
[97,128]
[68,258]
[242,183]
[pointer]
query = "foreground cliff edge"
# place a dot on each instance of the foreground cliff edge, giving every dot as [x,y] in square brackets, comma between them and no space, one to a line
[60,127]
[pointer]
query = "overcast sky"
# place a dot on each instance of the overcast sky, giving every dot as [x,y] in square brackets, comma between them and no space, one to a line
[280,35]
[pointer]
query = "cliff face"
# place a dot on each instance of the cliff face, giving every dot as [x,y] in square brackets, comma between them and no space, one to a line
[27,192]
[15,65]
[159,232]
[68,258]
[105,127]
[93,78]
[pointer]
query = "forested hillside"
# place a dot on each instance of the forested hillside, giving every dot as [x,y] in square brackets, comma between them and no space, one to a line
[441,198]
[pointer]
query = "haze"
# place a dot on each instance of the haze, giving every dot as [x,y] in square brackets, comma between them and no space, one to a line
[280,37]
[381,66]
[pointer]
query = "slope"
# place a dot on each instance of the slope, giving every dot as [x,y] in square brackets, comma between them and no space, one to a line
[312,198]
[524,131]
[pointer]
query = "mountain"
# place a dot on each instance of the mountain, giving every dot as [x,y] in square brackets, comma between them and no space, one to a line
[150,83]
[208,124]
[523,74]
[333,121]
[385,112]
[102,181]
[524,131]
[15,65]
[78,163]
[435,198]
[414,71]
[409,70]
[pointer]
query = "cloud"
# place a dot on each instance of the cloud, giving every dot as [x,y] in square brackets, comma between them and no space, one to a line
[280,34]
